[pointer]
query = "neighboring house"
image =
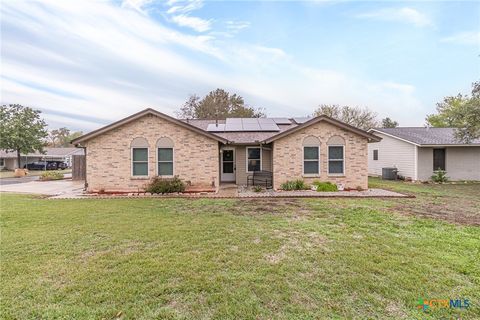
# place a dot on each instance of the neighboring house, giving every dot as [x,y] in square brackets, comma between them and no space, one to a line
[417,152]
[8,160]
[126,154]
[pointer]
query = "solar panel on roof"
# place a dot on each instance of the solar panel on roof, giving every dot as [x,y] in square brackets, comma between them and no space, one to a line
[269,127]
[212,127]
[282,121]
[301,119]
[250,124]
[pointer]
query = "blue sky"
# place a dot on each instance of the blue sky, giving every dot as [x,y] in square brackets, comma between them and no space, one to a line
[87,63]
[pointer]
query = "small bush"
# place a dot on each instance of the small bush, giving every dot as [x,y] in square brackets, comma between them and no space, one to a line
[163,185]
[257,189]
[439,176]
[298,184]
[51,175]
[325,186]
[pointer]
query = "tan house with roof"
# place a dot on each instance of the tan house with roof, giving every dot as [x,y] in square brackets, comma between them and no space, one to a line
[125,155]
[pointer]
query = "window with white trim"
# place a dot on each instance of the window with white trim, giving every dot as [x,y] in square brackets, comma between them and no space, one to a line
[336,155]
[139,150]
[254,159]
[311,156]
[336,162]
[375,154]
[2,162]
[165,157]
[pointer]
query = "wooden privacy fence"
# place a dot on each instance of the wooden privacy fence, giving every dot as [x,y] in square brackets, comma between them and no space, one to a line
[78,167]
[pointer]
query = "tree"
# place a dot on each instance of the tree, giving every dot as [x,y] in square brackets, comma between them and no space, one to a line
[218,104]
[61,137]
[362,118]
[389,123]
[461,112]
[21,130]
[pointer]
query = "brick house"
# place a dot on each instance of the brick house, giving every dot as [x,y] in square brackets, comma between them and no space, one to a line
[125,155]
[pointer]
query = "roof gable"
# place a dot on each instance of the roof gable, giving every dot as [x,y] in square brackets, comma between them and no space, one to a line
[369,136]
[148,111]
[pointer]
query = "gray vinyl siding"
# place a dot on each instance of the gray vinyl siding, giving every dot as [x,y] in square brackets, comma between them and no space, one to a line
[241,163]
[392,153]
[461,163]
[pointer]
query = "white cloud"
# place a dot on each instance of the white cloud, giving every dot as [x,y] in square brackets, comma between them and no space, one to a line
[406,15]
[136,4]
[237,25]
[465,38]
[185,6]
[103,61]
[197,24]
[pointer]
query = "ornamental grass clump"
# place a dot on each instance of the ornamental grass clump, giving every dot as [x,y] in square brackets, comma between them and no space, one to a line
[440,176]
[297,184]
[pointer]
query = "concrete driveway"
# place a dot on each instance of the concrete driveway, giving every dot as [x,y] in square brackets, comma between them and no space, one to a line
[7,181]
[51,188]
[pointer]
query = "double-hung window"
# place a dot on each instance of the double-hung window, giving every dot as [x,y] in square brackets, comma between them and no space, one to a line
[139,157]
[254,159]
[311,160]
[165,157]
[139,161]
[336,161]
[311,156]
[165,161]
[375,154]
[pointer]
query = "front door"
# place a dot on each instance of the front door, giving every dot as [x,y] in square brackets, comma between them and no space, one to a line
[228,165]
[438,159]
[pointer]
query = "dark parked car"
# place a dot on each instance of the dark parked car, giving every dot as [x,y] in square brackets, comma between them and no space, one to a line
[61,165]
[41,165]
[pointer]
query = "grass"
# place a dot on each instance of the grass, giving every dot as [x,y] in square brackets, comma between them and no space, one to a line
[10,174]
[238,259]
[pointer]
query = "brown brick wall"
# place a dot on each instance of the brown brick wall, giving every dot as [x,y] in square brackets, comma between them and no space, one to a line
[109,163]
[288,156]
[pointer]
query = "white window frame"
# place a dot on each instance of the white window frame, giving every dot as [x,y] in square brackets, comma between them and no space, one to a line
[131,163]
[246,158]
[373,154]
[303,162]
[173,162]
[2,162]
[328,160]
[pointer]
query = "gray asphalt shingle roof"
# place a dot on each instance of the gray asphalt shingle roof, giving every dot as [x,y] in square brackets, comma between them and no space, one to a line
[426,136]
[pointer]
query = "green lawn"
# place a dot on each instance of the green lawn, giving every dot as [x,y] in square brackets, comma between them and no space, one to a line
[241,259]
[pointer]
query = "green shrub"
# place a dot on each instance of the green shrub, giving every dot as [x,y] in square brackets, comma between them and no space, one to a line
[257,189]
[51,175]
[164,185]
[439,176]
[298,184]
[325,186]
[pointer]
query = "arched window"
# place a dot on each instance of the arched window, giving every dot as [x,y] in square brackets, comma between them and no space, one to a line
[311,156]
[336,156]
[165,157]
[139,149]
